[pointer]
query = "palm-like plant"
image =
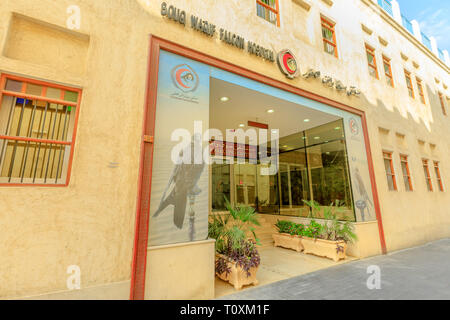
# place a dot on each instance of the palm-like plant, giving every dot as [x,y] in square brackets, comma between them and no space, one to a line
[231,233]
[333,229]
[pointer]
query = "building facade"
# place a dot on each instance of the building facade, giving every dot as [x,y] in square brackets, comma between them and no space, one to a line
[93,91]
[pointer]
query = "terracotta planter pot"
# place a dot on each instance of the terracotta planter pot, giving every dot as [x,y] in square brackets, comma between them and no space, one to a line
[335,250]
[288,241]
[237,277]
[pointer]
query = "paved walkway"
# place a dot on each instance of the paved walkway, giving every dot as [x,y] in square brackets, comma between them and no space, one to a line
[417,273]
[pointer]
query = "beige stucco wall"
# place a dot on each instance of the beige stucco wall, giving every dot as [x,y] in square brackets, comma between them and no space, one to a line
[90,223]
[181,271]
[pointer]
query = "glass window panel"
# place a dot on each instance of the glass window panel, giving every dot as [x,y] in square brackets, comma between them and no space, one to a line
[327,34]
[33,89]
[387,165]
[329,48]
[12,85]
[329,174]
[370,58]
[71,96]
[220,186]
[268,192]
[53,93]
[404,169]
[391,182]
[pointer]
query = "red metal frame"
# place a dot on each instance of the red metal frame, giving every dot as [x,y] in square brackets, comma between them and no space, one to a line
[374,66]
[22,94]
[388,156]
[438,175]
[327,24]
[420,89]
[409,84]
[428,175]
[404,159]
[137,289]
[387,61]
[276,11]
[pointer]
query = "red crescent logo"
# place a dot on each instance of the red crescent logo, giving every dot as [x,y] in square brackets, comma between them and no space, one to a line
[178,77]
[288,63]
[185,78]
[287,57]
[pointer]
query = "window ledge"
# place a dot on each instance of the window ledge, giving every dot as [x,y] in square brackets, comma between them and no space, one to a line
[305,4]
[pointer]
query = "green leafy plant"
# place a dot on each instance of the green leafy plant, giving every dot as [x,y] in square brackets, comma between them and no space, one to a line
[313,230]
[333,229]
[292,228]
[231,232]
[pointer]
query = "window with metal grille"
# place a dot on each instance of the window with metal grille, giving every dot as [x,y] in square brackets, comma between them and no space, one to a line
[329,37]
[420,90]
[372,61]
[390,174]
[268,10]
[438,176]
[409,83]
[37,131]
[406,173]
[441,99]
[426,171]
[388,71]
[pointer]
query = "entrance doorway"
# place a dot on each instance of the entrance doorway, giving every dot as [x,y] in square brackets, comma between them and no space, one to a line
[179,93]
[312,154]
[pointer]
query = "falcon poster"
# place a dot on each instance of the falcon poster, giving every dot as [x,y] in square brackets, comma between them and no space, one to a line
[179,196]
[359,169]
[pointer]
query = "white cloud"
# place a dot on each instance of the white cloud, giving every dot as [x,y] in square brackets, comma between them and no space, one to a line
[436,23]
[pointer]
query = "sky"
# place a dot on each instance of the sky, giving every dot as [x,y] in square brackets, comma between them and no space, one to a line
[433,17]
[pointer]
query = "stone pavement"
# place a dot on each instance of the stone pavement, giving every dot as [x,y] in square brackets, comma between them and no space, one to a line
[416,273]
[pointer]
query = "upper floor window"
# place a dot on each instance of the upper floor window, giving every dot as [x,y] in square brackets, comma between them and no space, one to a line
[329,37]
[438,176]
[388,71]
[406,173]
[441,99]
[390,174]
[268,10]
[426,170]
[409,83]
[37,131]
[372,61]
[420,90]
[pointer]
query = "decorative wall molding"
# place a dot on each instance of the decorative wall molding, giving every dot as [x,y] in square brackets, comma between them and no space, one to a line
[366,29]
[383,41]
[328,2]
[305,4]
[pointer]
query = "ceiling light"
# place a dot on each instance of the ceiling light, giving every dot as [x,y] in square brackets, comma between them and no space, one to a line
[224,99]
[337,128]
[242,125]
[270,111]
[274,131]
[316,138]
[306,120]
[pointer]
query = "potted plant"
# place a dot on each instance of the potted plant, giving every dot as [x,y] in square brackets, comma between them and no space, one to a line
[330,239]
[289,235]
[237,259]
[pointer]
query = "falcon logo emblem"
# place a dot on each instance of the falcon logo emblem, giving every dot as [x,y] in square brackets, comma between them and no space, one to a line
[288,64]
[354,128]
[185,78]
